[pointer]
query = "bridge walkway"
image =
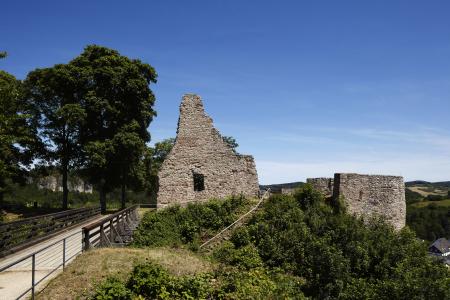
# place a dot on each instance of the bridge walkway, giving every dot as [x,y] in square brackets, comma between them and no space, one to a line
[18,278]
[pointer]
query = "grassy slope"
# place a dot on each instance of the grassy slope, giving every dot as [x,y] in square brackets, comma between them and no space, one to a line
[94,266]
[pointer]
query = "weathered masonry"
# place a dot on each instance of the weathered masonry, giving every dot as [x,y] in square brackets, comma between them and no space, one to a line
[324,185]
[368,195]
[201,165]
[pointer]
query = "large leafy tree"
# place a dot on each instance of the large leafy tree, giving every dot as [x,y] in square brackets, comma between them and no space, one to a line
[55,91]
[118,104]
[18,143]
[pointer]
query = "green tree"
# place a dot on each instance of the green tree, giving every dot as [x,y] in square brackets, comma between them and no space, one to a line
[55,91]
[151,164]
[160,152]
[17,133]
[3,54]
[119,108]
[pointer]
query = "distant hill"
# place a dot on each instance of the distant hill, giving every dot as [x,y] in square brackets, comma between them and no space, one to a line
[278,187]
[427,183]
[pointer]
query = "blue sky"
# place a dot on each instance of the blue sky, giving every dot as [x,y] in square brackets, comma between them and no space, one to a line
[308,87]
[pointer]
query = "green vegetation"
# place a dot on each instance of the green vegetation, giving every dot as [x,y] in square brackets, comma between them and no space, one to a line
[294,247]
[190,225]
[429,221]
[88,117]
[24,196]
[18,139]
[428,210]
[412,197]
[440,203]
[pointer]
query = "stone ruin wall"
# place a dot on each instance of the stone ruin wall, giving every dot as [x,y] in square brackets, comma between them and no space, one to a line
[199,148]
[370,195]
[323,185]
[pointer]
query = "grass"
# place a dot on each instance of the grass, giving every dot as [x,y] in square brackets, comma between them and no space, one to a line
[445,203]
[81,276]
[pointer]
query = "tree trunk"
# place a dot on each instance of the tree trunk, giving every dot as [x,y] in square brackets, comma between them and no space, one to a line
[1,200]
[64,186]
[102,199]
[123,196]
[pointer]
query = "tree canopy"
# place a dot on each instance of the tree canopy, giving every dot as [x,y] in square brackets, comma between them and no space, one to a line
[55,92]
[18,143]
[118,104]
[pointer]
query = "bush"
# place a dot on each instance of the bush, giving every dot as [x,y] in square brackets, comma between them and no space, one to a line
[296,246]
[336,253]
[112,289]
[176,225]
[149,281]
[246,257]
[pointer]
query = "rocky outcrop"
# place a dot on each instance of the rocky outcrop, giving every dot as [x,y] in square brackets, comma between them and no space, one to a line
[201,165]
[54,183]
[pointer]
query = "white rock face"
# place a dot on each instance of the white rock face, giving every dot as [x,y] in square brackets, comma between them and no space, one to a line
[199,149]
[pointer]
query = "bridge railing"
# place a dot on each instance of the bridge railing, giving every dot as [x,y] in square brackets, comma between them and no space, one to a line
[43,263]
[21,234]
[115,229]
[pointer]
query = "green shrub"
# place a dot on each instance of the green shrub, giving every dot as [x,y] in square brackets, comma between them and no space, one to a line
[246,257]
[151,281]
[240,237]
[294,246]
[176,225]
[112,289]
[336,253]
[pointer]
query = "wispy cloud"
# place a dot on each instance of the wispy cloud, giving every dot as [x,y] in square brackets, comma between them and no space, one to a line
[411,167]
[420,153]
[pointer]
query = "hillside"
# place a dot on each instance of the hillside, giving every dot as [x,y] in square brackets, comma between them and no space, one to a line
[445,184]
[293,247]
[279,186]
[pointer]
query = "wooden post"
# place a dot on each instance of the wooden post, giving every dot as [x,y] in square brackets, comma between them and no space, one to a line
[86,245]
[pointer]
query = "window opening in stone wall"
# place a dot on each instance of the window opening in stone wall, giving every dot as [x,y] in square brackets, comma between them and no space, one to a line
[199,182]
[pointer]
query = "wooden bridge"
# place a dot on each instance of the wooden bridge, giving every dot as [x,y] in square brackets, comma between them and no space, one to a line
[34,250]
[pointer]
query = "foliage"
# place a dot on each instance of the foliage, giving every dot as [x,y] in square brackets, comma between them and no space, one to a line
[160,152]
[338,255]
[18,142]
[245,257]
[151,164]
[435,197]
[412,197]
[96,110]
[3,54]
[150,281]
[231,142]
[296,246]
[176,225]
[112,289]
[430,222]
[55,92]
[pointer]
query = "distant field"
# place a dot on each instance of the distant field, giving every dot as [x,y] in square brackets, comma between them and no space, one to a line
[429,190]
[445,203]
